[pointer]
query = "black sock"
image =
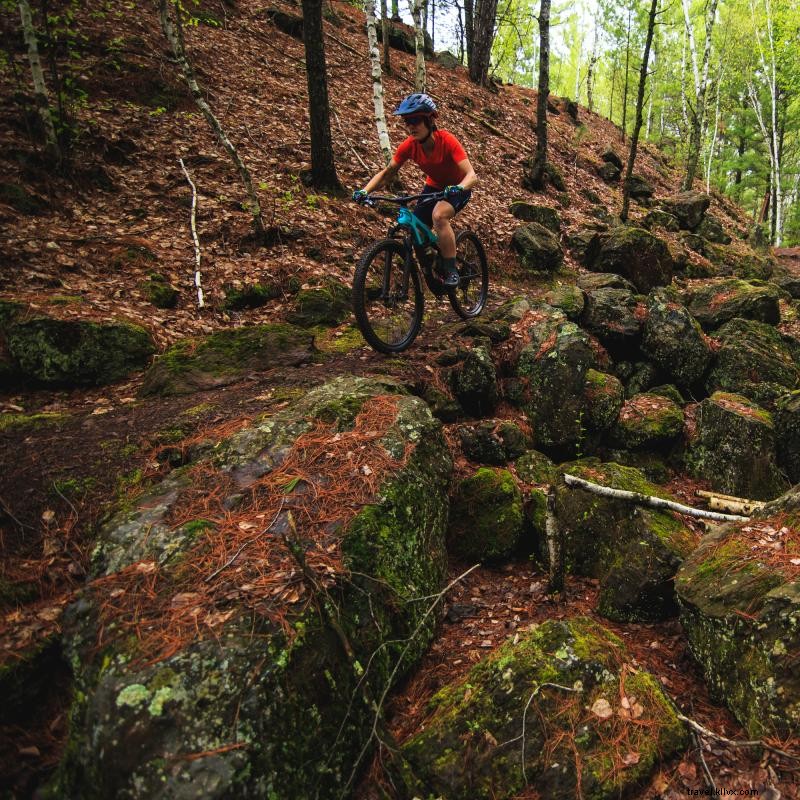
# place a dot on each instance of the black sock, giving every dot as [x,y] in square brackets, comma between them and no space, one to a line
[449,263]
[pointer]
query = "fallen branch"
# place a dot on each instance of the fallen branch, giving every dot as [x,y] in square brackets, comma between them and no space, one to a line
[726,502]
[647,500]
[345,45]
[709,734]
[347,139]
[376,721]
[554,545]
[496,131]
[193,220]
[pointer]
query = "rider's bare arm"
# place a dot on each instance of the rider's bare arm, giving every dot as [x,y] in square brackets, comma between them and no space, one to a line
[383,177]
[470,178]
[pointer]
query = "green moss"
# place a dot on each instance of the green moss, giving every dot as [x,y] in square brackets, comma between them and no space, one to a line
[9,422]
[73,487]
[64,299]
[251,295]
[338,340]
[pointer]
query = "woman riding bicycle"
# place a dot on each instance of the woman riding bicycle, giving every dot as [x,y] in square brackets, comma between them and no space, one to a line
[443,159]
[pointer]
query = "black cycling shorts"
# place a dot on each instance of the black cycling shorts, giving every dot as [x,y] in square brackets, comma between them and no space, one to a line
[424,210]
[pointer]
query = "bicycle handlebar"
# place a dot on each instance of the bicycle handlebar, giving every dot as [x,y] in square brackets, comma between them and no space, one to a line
[404,200]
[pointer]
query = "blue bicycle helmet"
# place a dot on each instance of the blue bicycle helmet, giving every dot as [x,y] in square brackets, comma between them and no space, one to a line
[417,103]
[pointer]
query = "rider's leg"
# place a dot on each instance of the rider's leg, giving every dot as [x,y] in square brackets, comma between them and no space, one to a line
[442,214]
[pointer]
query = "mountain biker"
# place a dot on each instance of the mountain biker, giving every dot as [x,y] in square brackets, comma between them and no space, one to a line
[443,159]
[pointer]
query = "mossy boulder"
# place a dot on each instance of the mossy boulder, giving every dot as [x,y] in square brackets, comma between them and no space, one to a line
[637,255]
[594,281]
[733,447]
[569,298]
[608,156]
[787,434]
[328,305]
[750,356]
[634,552]
[674,340]
[158,291]
[76,352]
[658,218]
[250,295]
[605,396]
[260,669]
[615,317]
[639,188]
[747,265]
[552,372]
[688,208]
[788,283]
[543,215]
[648,421]
[524,716]
[608,172]
[486,516]
[474,381]
[712,231]
[740,608]
[714,304]
[195,364]
[536,467]
[638,376]
[493,441]
[538,248]
[585,244]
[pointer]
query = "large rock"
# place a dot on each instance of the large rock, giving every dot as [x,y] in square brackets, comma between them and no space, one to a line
[615,317]
[648,421]
[674,341]
[569,298]
[192,365]
[740,608]
[585,244]
[543,215]
[474,382]
[538,248]
[329,305]
[658,218]
[552,711]
[604,396]
[609,172]
[711,229]
[493,441]
[753,360]
[197,653]
[639,188]
[76,352]
[553,370]
[787,435]
[713,304]
[486,518]
[633,553]
[638,256]
[733,447]
[688,207]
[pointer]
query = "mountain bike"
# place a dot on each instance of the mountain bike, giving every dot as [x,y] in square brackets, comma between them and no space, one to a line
[388,299]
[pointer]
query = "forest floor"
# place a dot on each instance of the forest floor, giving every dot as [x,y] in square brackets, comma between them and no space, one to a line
[88,252]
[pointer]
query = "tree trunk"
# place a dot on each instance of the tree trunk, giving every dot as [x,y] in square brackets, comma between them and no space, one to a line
[174,35]
[419,45]
[469,27]
[540,161]
[40,94]
[701,84]
[590,74]
[396,11]
[323,167]
[614,67]
[483,38]
[713,144]
[627,65]
[637,126]
[377,84]
[387,66]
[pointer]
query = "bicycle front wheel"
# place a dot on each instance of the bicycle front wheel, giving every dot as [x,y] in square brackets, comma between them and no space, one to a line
[469,297]
[387,298]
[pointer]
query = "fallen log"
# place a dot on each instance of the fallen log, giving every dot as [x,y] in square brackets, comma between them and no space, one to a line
[726,502]
[647,500]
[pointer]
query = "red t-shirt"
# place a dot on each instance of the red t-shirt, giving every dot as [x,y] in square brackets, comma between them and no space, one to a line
[441,166]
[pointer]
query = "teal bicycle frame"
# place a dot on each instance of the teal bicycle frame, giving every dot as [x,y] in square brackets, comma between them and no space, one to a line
[422,234]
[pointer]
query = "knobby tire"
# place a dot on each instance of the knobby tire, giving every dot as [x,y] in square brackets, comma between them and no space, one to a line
[468,299]
[388,323]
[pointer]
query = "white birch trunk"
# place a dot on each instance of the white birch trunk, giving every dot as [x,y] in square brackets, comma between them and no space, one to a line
[174,35]
[419,35]
[770,134]
[40,94]
[377,84]
[713,145]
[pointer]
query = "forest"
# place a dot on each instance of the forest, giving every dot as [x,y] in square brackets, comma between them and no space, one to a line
[547,547]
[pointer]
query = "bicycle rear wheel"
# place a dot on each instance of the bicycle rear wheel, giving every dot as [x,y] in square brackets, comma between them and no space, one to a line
[387,300]
[469,297]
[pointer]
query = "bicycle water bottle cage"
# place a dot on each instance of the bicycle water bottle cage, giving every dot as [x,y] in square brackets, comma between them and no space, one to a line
[420,231]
